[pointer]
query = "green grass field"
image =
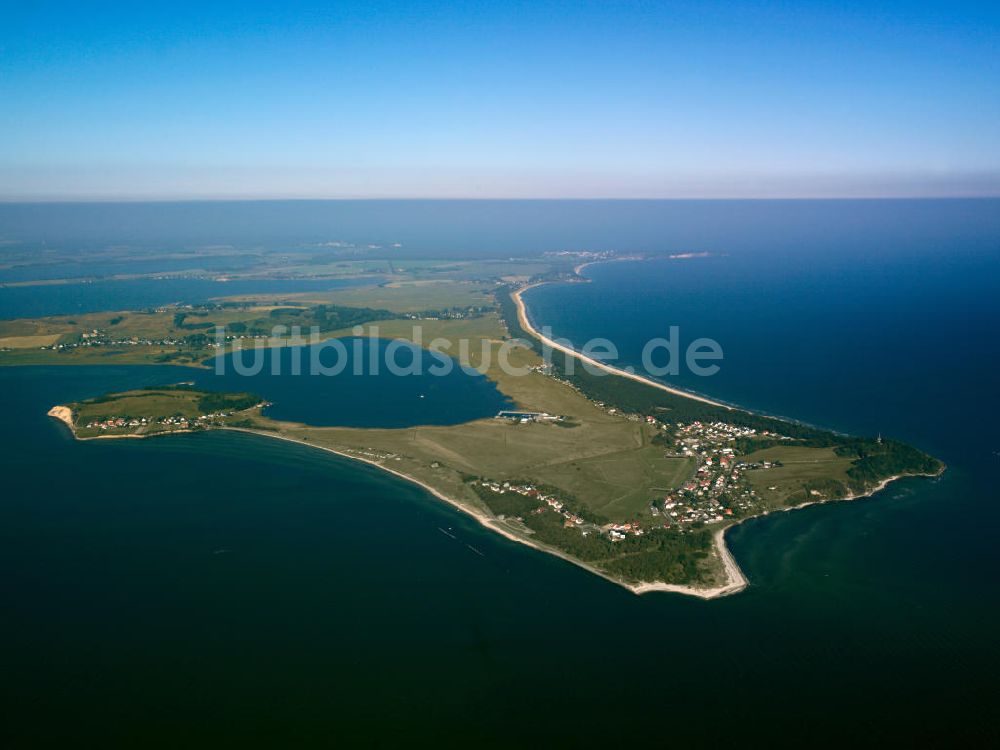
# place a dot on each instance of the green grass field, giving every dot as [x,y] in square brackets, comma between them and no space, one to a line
[31,341]
[402,296]
[806,474]
[153,404]
[618,485]
[606,462]
[141,403]
[125,324]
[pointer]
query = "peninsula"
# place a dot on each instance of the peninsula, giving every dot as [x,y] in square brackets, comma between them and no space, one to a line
[627,477]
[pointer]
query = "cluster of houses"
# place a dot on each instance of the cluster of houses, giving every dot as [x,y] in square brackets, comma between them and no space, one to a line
[692,437]
[529,416]
[543,369]
[112,423]
[618,531]
[587,255]
[100,338]
[230,337]
[451,313]
[176,421]
[214,416]
[549,502]
[719,489]
[371,454]
[97,339]
[117,422]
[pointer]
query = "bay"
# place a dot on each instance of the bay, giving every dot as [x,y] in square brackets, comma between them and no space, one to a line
[224,588]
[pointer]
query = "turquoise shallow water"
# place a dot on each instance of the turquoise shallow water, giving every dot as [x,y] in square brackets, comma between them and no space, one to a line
[226,589]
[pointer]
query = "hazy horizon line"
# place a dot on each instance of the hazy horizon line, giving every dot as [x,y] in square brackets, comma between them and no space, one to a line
[38,200]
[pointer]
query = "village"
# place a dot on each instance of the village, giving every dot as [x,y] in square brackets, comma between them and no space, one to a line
[171,423]
[451,313]
[719,489]
[717,492]
[547,502]
[96,337]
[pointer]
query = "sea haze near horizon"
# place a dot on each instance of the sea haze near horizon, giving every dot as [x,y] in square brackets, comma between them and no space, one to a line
[501,228]
[231,588]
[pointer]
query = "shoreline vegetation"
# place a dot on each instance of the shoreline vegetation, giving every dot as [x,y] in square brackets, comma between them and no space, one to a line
[853,471]
[736,580]
[525,322]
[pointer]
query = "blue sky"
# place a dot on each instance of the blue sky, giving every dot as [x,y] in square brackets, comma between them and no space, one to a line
[476,99]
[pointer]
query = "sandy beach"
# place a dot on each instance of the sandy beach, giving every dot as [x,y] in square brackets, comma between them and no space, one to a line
[64,414]
[735,580]
[522,316]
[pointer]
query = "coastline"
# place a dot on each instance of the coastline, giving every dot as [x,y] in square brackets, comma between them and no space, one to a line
[65,415]
[522,317]
[617,259]
[493,524]
[735,579]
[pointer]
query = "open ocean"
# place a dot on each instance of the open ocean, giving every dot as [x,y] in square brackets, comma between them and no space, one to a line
[228,589]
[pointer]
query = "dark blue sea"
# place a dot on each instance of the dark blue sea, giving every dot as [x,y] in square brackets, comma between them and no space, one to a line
[351,392]
[231,590]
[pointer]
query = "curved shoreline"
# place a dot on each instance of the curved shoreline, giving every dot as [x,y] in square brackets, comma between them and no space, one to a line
[735,579]
[491,522]
[64,415]
[522,318]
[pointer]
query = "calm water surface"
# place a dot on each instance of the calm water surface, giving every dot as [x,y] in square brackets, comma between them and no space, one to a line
[228,589]
[137,294]
[374,397]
